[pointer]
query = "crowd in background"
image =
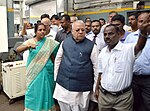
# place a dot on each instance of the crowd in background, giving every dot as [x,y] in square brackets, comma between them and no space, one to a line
[97,65]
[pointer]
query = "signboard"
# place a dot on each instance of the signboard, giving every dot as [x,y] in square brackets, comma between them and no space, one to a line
[3,30]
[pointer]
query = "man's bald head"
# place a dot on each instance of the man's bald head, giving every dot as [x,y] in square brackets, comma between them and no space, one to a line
[47,23]
[141,18]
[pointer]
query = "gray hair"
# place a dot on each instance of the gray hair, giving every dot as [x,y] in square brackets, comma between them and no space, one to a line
[78,21]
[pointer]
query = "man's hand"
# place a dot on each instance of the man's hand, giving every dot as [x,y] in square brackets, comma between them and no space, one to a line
[144,32]
[96,93]
[25,24]
[145,26]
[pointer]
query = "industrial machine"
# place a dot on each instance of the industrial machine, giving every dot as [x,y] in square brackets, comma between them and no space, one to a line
[14,79]
[7,41]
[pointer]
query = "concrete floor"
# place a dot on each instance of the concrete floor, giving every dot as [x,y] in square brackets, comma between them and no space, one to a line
[17,105]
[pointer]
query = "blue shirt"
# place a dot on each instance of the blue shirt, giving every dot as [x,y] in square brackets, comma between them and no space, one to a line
[132,37]
[125,36]
[142,63]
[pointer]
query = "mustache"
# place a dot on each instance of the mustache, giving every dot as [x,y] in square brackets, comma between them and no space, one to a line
[95,30]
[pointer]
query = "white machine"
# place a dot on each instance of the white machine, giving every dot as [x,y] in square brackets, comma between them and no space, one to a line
[14,79]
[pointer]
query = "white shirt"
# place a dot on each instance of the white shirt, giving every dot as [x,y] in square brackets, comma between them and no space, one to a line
[56,28]
[103,27]
[88,33]
[132,37]
[30,34]
[71,97]
[127,28]
[52,34]
[116,66]
[99,40]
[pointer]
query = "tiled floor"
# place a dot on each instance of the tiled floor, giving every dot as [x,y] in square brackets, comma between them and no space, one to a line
[18,104]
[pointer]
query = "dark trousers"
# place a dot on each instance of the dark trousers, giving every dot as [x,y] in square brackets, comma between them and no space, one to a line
[141,93]
[93,106]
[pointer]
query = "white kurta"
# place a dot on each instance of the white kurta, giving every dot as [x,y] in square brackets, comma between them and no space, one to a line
[71,97]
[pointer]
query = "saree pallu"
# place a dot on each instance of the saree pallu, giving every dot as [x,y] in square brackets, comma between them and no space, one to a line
[40,77]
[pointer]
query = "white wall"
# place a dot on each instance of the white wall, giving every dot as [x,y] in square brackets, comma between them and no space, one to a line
[3,32]
[37,10]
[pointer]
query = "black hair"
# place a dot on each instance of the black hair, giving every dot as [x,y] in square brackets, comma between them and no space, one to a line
[31,24]
[113,12]
[141,3]
[133,14]
[102,19]
[36,27]
[116,28]
[38,21]
[118,17]
[96,21]
[44,16]
[87,19]
[55,17]
[67,17]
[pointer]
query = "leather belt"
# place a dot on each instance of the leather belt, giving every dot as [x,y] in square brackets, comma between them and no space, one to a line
[141,76]
[104,91]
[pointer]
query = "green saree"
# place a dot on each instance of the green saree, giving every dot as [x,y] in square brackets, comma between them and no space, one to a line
[40,76]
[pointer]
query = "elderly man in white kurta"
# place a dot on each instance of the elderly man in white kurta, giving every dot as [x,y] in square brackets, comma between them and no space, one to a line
[75,70]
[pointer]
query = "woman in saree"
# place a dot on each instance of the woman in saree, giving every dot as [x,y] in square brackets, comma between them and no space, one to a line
[40,73]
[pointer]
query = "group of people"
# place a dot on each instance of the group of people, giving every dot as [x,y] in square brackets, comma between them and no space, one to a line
[88,66]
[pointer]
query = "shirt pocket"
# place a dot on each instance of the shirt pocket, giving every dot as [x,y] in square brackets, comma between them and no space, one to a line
[119,66]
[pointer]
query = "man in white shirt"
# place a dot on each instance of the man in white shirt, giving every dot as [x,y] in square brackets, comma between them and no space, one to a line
[96,36]
[55,21]
[110,16]
[115,66]
[88,28]
[119,21]
[133,37]
[75,70]
[49,32]
[27,31]
[141,72]
[133,21]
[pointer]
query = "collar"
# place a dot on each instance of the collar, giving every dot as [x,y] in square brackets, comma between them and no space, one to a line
[124,36]
[89,33]
[98,35]
[64,31]
[136,32]
[51,33]
[118,47]
[79,41]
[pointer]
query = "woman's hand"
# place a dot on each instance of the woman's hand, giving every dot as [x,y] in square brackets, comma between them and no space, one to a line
[33,46]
